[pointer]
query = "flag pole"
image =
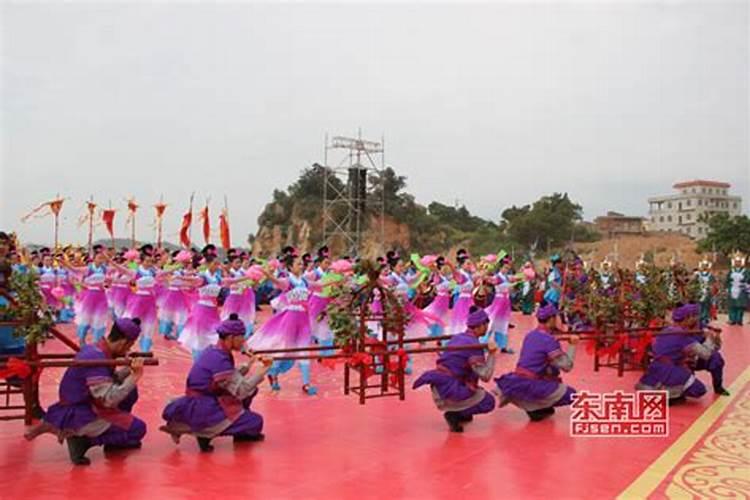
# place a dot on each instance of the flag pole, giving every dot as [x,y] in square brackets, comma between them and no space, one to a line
[113,233]
[132,230]
[190,228]
[57,225]
[159,224]
[91,222]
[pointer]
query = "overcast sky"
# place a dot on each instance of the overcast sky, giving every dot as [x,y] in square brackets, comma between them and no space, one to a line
[492,105]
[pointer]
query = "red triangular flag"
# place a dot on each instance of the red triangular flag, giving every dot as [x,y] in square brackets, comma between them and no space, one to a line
[206,225]
[108,216]
[224,230]
[187,220]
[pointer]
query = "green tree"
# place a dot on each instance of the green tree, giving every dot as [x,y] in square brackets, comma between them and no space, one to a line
[727,234]
[389,187]
[551,220]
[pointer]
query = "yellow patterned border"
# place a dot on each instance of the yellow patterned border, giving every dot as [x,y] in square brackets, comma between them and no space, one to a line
[652,477]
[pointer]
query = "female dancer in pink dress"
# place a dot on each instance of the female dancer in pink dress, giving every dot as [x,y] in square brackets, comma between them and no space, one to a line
[175,308]
[464,287]
[290,326]
[142,305]
[119,291]
[499,310]
[440,307]
[49,285]
[200,328]
[319,300]
[241,298]
[419,321]
[91,308]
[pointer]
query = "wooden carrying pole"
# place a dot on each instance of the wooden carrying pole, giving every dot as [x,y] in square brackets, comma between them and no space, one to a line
[88,363]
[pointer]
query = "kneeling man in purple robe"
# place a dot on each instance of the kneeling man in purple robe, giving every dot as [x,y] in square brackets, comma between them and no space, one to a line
[454,382]
[95,402]
[218,395]
[536,386]
[677,354]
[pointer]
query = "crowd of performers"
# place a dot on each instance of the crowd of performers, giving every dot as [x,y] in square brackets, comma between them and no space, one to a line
[208,307]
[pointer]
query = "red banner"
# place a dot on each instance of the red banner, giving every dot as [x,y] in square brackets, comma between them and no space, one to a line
[224,230]
[206,225]
[160,207]
[108,216]
[187,220]
[54,206]
[132,206]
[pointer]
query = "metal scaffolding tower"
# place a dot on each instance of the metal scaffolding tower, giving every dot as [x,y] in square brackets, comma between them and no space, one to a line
[353,194]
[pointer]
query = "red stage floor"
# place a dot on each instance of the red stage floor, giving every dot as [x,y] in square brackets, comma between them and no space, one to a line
[330,446]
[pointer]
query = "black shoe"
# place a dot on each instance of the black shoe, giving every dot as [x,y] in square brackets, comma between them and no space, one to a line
[539,415]
[507,350]
[465,418]
[205,445]
[676,401]
[249,438]
[109,448]
[721,391]
[37,412]
[454,421]
[77,448]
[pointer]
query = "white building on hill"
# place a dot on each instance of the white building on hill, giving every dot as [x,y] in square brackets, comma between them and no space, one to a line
[686,210]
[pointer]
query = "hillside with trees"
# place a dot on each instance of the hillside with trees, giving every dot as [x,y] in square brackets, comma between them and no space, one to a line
[294,217]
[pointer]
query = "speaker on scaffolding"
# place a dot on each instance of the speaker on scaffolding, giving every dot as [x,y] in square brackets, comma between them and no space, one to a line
[358,183]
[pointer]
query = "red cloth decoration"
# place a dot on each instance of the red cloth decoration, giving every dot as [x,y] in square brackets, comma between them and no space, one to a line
[401,362]
[642,345]
[613,349]
[15,367]
[591,344]
[363,362]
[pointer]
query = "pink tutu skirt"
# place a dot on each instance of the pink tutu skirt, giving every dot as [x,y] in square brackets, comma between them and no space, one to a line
[175,308]
[118,296]
[376,307]
[499,313]
[460,314]
[238,303]
[192,297]
[320,329]
[286,329]
[92,309]
[317,305]
[143,306]
[419,322]
[250,294]
[69,289]
[51,301]
[440,307]
[161,293]
[200,329]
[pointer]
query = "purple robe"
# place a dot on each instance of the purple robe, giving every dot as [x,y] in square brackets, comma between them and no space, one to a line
[671,369]
[455,381]
[84,410]
[536,384]
[217,399]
